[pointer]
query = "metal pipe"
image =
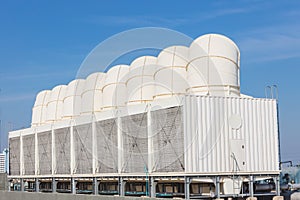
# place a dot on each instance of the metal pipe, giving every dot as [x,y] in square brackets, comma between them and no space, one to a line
[266,91]
[278,134]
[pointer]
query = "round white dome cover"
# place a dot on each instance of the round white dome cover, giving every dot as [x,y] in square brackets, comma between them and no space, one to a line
[114,90]
[55,104]
[92,93]
[140,83]
[39,109]
[72,100]
[214,66]
[209,66]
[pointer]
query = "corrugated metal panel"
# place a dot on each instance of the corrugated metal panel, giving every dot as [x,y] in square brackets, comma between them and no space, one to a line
[62,146]
[83,149]
[230,134]
[14,156]
[29,157]
[45,152]
[167,131]
[107,146]
[135,143]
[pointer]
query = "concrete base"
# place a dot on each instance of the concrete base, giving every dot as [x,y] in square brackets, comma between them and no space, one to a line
[278,198]
[251,198]
[4,195]
[295,196]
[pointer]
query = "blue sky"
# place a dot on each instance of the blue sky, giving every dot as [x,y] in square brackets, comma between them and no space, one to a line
[43,43]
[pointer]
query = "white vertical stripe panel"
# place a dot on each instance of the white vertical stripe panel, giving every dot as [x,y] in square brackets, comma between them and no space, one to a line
[208,134]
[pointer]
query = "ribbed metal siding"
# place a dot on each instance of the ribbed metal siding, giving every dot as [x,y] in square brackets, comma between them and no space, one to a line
[212,145]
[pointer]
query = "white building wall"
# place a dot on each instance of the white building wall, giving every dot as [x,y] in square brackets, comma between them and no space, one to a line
[230,135]
[219,135]
[2,162]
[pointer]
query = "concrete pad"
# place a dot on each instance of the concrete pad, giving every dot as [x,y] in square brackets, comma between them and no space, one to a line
[251,198]
[278,198]
[295,196]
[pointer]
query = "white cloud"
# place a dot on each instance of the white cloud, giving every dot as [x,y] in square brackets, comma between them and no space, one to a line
[149,20]
[271,43]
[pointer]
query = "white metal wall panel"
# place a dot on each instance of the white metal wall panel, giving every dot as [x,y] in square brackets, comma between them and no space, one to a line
[45,152]
[14,156]
[230,135]
[62,145]
[107,146]
[29,154]
[83,149]
[168,141]
[135,143]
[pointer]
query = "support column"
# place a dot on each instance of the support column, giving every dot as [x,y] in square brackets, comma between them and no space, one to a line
[152,187]
[73,185]
[95,186]
[36,154]
[53,151]
[22,185]
[217,192]
[95,156]
[251,188]
[9,185]
[54,185]
[150,140]
[187,181]
[277,181]
[37,185]
[120,144]
[72,149]
[21,156]
[121,187]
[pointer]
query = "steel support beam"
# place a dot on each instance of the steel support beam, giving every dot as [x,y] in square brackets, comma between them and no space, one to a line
[22,185]
[121,186]
[54,185]
[95,186]
[187,181]
[251,187]
[152,189]
[37,185]
[73,185]
[277,183]
[217,192]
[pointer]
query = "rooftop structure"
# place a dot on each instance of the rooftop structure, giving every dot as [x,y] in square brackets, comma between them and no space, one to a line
[177,119]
